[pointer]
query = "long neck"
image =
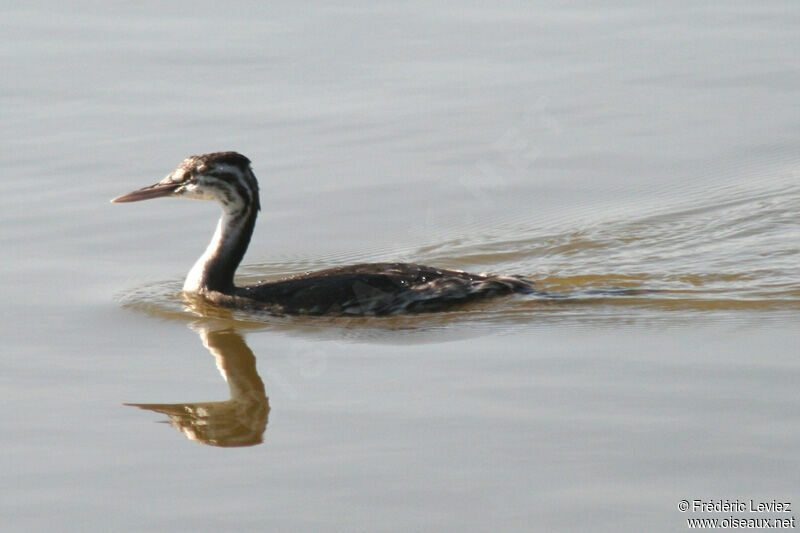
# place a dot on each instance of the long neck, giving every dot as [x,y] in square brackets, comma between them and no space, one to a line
[215,269]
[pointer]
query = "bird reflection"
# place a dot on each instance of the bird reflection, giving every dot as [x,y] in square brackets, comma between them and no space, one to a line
[240,421]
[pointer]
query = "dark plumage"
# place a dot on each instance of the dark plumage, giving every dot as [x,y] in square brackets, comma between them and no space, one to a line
[364,289]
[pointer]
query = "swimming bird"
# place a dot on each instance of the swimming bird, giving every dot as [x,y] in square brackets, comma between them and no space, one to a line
[362,289]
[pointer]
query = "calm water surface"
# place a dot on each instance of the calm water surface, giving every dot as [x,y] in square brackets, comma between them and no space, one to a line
[642,164]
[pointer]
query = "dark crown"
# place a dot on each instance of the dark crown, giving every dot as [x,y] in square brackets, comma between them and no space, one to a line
[205,163]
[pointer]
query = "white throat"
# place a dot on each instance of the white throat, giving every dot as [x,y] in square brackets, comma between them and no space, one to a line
[227,230]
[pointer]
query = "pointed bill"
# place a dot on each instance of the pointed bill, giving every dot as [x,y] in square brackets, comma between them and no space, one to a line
[153,191]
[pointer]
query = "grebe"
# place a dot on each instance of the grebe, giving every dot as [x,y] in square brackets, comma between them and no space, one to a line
[363,289]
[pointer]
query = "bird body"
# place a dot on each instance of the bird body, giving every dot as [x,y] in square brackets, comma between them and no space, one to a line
[363,289]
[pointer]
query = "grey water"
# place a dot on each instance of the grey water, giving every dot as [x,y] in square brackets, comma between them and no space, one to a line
[640,162]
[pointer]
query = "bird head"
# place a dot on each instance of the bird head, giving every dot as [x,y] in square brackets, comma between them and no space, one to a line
[225,177]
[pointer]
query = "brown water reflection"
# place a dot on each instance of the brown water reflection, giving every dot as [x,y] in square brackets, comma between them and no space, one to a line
[239,421]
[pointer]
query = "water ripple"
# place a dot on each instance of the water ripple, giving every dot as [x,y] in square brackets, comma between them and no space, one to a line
[737,255]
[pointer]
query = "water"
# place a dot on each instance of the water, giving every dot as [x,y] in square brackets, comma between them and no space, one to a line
[640,163]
